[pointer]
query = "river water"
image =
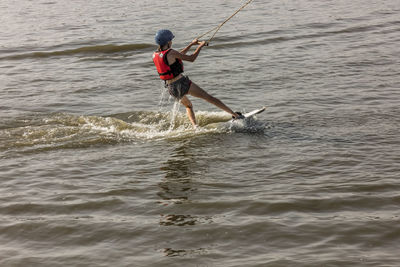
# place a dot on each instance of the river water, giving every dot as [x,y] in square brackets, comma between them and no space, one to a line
[97,167]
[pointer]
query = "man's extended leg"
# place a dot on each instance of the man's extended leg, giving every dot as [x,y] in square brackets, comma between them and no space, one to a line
[196,91]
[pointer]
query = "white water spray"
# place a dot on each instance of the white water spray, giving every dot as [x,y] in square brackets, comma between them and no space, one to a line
[174,113]
[162,98]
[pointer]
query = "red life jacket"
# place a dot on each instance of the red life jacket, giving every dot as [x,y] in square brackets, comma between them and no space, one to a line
[166,72]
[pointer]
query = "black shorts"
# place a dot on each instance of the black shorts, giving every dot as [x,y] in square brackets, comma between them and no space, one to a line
[180,87]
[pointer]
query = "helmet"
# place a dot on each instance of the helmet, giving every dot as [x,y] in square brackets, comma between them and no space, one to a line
[163,37]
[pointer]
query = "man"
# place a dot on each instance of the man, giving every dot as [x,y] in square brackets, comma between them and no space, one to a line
[170,68]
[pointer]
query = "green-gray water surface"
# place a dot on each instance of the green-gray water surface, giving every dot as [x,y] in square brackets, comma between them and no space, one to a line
[94,172]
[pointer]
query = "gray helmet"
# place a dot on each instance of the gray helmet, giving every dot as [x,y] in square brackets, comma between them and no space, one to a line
[163,37]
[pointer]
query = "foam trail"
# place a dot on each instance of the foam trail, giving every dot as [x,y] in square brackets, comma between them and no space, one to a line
[58,131]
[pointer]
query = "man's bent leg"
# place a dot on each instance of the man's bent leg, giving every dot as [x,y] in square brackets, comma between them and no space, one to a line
[189,110]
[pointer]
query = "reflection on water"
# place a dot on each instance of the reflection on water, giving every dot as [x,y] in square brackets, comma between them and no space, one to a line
[177,185]
[183,220]
[169,252]
[177,220]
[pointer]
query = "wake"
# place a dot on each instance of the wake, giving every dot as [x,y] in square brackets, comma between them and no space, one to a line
[54,131]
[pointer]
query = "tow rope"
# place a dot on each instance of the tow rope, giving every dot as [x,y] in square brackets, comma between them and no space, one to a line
[216,29]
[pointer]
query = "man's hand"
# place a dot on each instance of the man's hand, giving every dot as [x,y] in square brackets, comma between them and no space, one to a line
[182,55]
[203,43]
[195,42]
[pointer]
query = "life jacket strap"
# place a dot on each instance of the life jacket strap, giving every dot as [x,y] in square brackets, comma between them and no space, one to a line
[165,73]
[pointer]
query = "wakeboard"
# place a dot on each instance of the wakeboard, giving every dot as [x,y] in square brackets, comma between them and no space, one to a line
[227,123]
[251,113]
[254,112]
